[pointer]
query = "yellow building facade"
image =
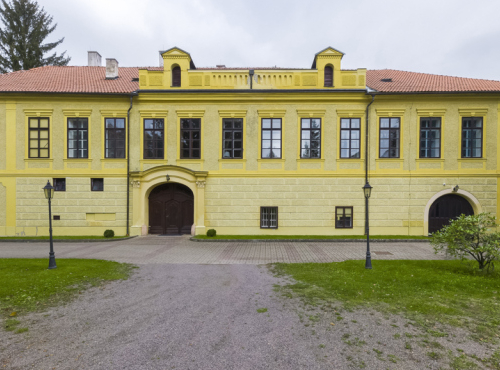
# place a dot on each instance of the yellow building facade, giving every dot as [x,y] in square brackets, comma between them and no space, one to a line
[180,149]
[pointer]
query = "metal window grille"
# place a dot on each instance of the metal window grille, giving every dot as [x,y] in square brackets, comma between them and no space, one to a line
[268,217]
[343,217]
[59,184]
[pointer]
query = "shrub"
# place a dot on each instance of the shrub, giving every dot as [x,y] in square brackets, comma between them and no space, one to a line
[109,234]
[211,233]
[470,236]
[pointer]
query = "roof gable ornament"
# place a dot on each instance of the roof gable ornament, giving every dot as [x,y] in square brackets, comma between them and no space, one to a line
[328,52]
[175,53]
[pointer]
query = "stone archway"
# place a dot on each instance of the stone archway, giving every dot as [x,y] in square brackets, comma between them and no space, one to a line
[171,209]
[471,200]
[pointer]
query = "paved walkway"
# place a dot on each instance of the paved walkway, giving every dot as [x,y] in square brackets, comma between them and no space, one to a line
[179,249]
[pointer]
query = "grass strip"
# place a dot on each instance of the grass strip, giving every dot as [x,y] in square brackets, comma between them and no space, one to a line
[72,237]
[427,292]
[241,237]
[27,285]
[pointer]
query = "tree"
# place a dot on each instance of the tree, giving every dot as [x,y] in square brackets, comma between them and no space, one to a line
[470,236]
[25,27]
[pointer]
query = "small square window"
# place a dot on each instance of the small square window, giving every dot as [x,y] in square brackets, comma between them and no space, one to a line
[343,217]
[268,217]
[59,184]
[97,185]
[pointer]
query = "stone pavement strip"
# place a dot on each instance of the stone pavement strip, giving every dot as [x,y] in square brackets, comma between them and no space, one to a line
[179,249]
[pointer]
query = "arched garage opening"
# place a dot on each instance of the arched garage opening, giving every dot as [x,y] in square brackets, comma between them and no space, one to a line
[171,209]
[447,208]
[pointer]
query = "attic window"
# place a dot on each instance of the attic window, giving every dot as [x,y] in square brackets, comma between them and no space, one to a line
[328,76]
[135,79]
[386,80]
[176,76]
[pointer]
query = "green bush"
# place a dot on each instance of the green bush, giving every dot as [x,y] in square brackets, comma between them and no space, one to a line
[109,234]
[211,233]
[470,236]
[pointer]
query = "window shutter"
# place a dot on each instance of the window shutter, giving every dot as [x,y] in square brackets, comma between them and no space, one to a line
[328,76]
[176,76]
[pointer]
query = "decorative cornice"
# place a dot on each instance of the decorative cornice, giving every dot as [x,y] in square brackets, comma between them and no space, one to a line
[153,113]
[38,112]
[190,113]
[77,112]
[270,113]
[473,112]
[230,113]
[390,112]
[344,113]
[113,112]
[311,112]
[431,112]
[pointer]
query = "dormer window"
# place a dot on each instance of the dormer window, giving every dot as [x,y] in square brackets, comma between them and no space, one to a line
[328,76]
[176,76]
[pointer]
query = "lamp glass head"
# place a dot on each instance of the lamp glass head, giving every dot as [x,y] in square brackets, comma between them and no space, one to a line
[48,190]
[367,189]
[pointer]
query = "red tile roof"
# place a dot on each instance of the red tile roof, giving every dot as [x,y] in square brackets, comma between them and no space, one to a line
[70,80]
[410,82]
[52,79]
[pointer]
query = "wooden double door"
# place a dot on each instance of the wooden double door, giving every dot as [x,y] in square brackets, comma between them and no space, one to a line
[171,209]
[447,208]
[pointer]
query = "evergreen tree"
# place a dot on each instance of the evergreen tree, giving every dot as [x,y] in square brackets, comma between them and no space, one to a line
[25,27]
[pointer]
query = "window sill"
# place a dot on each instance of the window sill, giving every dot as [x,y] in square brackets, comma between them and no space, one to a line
[190,160]
[430,160]
[389,160]
[270,160]
[472,159]
[232,160]
[77,160]
[113,159]
[310,160]
[152,160]
[38,159]
[350,160]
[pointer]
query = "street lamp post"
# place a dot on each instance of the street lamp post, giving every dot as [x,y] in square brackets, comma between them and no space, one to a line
[49,194]
[367,189]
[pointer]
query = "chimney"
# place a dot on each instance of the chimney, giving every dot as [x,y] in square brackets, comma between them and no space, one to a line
[94,59]
[111,68]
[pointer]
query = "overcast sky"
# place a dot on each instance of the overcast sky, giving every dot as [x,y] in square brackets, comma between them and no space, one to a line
[450,37]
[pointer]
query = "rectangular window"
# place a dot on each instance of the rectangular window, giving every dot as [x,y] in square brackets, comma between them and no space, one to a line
[310,138]
[472,137]
[343,217]
[115,137]
[271,138]
[232,131]
[97,184]
[153,138]
[268,217]
[78,142]
[39,138]
[59,184]
[430,137]
[389,137]
[190,138]
[350,137]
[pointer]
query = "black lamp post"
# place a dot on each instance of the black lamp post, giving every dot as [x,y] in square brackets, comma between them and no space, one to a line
[367,189]
[49,194]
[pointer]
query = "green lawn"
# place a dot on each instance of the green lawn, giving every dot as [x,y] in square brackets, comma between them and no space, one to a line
[427,292]
[27,284]
[239,237]
[75,237]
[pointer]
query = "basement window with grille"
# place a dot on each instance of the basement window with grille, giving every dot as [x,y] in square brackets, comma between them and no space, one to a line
[268,217]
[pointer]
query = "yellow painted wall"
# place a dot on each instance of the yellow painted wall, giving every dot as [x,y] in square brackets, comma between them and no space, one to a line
[306,191]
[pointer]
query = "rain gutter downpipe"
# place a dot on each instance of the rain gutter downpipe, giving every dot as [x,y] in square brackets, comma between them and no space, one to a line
[251,73]
[366,137]
[128,159]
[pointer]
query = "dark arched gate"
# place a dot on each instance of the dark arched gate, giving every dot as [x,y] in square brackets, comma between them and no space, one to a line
[171,209]
[447,208]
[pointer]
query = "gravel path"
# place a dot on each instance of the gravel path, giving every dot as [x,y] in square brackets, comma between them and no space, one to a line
[171,317]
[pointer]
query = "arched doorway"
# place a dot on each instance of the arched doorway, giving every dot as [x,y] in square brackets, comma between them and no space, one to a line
[446,208]
[171,209]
